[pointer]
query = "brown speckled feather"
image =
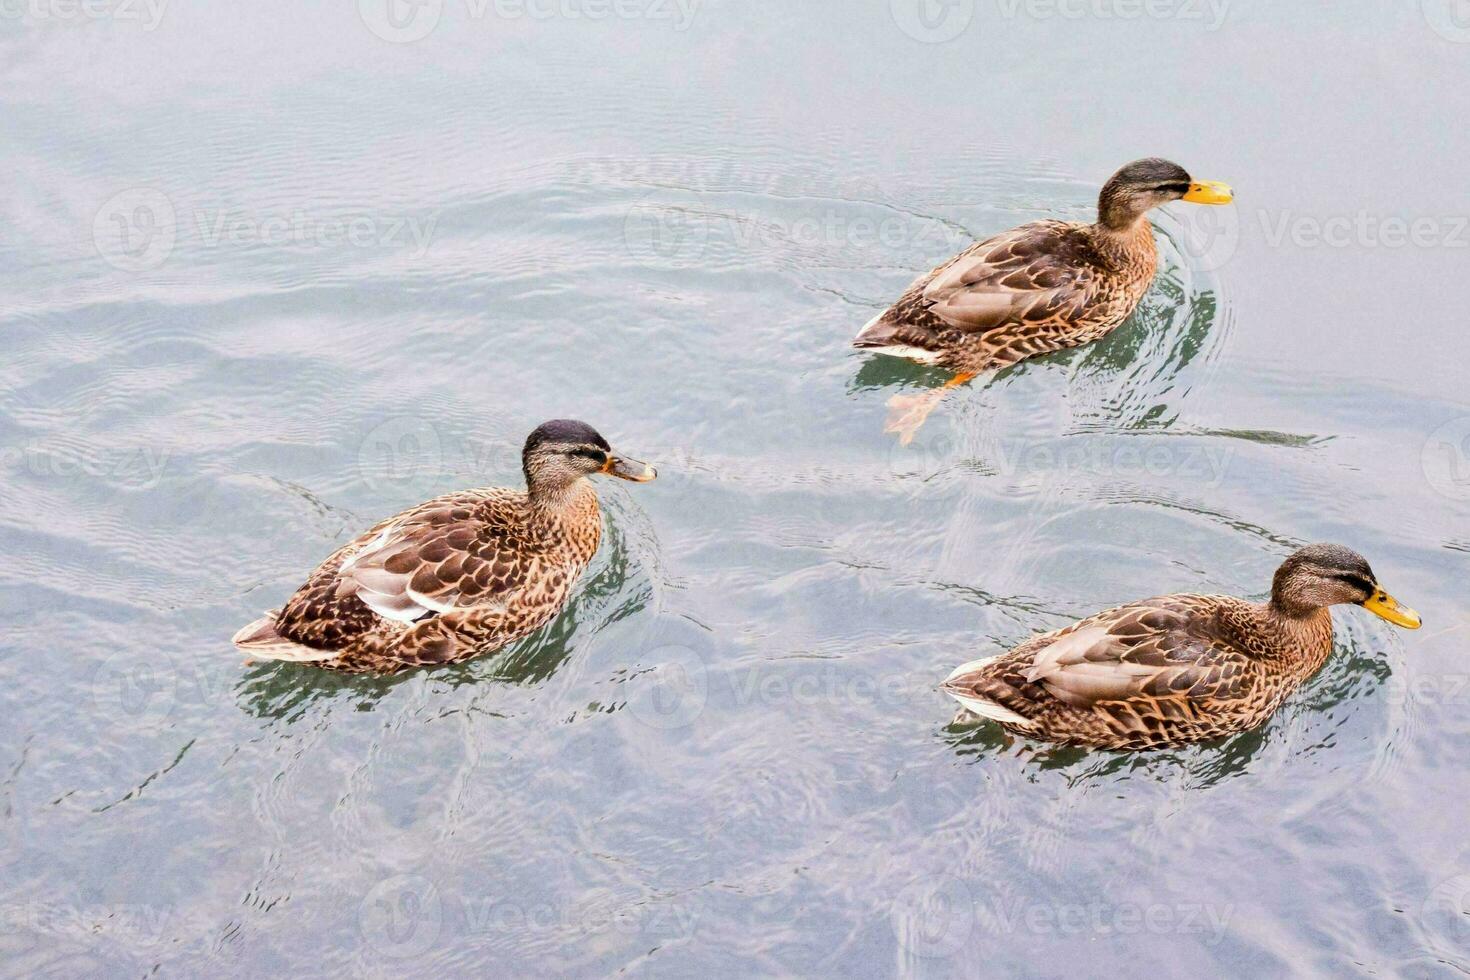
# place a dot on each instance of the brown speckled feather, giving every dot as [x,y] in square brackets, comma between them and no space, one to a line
[1034,289]
[1163,671]
[449,579]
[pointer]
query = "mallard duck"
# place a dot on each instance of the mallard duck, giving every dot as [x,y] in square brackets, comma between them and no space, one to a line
[1178,668]
[1038,288]
[456,576]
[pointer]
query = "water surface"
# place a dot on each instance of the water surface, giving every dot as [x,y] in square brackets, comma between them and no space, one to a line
[271,274]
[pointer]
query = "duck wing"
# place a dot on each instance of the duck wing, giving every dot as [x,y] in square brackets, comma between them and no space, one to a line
[1144,658]
[450,554]
[1155,649]
[1033,274]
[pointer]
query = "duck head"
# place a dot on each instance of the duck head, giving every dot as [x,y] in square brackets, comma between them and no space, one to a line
[1145,184]
[1322,575]
[561,452]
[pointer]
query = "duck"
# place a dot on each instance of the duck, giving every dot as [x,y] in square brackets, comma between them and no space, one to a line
[455,577]
[1037,288]
[1174,669]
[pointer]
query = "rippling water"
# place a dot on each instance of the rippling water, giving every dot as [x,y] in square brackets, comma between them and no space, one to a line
[271,274]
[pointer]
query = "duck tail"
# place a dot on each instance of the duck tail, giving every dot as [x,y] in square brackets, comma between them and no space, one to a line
[881,335]
[980,695]
[262,640]
[877,332]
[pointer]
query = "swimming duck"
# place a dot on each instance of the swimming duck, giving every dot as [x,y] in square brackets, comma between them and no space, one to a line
[456,576]
[1037,288]
[1178,668]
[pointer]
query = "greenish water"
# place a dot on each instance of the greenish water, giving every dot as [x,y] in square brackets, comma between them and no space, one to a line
[271,274]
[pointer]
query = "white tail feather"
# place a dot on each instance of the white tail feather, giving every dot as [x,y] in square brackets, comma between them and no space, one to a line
[974,703]
[970,667]
[261,641]
[897,350]
[988,709]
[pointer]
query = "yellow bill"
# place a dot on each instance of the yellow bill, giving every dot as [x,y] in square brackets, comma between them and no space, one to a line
[1209,192]
[626,468]
[1385,605]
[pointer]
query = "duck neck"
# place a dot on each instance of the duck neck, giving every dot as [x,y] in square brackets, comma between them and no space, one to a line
[1308,631]
[1126,244]
[558,501]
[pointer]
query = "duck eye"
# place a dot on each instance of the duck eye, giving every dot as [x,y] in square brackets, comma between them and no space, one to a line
[596,455]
